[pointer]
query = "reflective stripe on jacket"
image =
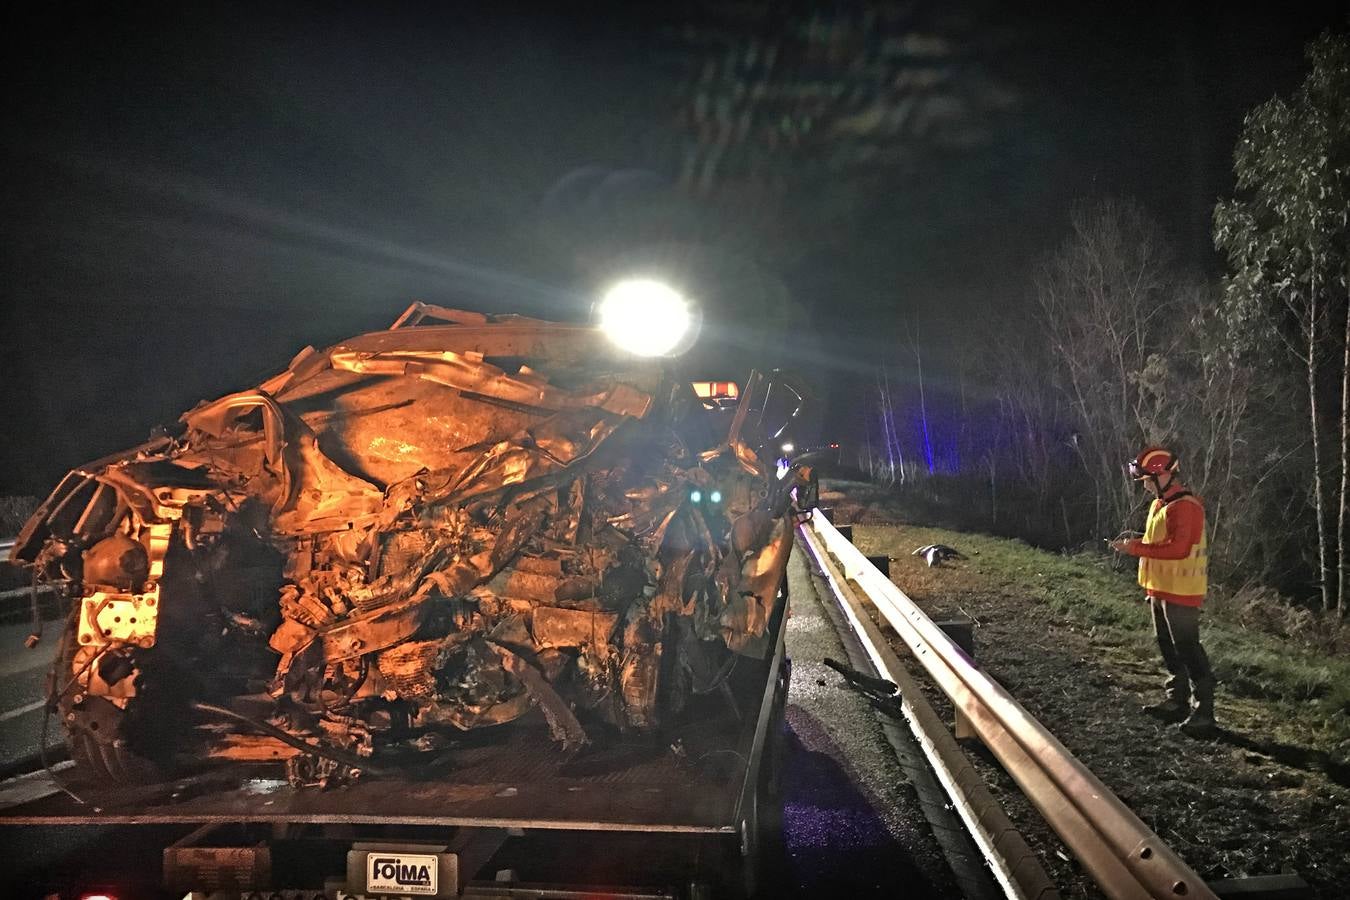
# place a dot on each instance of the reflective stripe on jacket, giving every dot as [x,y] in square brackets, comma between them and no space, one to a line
[1184,580]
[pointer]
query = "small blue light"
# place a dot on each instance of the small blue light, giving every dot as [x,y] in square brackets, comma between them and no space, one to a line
[715,496]
[696,496]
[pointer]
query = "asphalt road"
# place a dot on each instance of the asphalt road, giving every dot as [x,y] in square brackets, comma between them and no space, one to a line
[23,675]
[852,823]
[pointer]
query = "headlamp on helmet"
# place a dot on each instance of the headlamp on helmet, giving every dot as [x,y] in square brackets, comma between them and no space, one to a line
[1153,462]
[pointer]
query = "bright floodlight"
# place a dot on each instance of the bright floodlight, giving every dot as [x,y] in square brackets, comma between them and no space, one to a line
[788,448]
[645,317]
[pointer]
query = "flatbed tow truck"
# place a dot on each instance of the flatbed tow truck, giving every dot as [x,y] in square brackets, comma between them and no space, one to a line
[652,806]
[692,813]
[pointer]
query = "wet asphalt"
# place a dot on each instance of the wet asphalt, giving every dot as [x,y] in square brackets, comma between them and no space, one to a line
[853,825]
[23,678]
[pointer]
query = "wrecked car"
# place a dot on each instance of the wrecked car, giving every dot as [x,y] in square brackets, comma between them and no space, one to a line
[416,533]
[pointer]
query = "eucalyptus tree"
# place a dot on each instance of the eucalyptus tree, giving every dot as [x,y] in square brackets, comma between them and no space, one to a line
[1285,237]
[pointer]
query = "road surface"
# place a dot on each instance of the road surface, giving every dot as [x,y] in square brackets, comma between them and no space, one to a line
[23,675]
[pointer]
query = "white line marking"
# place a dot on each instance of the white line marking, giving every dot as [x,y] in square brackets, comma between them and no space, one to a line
[21,711]
[30,787]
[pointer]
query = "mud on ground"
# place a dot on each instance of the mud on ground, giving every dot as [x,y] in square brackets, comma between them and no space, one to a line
[1242,804]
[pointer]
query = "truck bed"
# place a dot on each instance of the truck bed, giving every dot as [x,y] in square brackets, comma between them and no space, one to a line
[692,779]
[519,780]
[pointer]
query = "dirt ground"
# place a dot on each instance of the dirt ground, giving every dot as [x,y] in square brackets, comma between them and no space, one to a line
[1242,804]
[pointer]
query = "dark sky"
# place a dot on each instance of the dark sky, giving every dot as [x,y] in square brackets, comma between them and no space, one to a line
[193,194]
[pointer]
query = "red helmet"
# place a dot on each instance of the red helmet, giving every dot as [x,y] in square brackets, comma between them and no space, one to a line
[1153,462]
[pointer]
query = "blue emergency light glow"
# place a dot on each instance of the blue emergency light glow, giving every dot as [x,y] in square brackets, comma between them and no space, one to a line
[696,496]
[715,496]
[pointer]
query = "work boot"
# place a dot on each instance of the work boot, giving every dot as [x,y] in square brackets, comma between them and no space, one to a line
[1171,710]
[1200,723]
[1178,702]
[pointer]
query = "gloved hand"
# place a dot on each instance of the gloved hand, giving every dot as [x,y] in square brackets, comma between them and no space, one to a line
[1121,543]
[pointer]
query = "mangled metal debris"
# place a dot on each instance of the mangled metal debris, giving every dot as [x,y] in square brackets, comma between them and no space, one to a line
[415,533]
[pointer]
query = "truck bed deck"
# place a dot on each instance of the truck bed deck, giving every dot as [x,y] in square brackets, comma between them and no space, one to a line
[693,779]
[519,780]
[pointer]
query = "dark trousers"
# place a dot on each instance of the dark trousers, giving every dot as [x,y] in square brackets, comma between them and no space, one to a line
[1178,631]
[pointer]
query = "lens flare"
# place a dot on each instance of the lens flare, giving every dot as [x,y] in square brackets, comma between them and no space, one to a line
[645,317]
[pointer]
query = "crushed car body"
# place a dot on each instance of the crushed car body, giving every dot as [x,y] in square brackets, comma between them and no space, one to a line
[416,533]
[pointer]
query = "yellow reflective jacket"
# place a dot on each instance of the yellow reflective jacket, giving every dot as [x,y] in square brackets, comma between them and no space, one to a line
[1185,580]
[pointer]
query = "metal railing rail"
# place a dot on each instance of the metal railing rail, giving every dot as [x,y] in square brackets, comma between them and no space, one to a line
[1122,854]
[1015,867]
[17,601]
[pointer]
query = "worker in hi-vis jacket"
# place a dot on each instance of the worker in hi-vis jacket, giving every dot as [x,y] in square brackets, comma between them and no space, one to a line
[1173,564]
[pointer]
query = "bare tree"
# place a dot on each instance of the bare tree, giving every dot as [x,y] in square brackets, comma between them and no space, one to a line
[1107,309]
[1345,451]
[883,455]
[1029,412]
[1219,411]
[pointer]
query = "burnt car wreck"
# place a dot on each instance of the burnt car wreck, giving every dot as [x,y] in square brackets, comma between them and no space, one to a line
[416,533]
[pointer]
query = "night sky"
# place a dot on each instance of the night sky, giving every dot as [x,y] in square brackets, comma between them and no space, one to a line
[191,195]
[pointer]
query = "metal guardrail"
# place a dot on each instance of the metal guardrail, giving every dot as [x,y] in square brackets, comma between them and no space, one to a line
[16,602]
[17,605]
[1122,854]
[1015,867]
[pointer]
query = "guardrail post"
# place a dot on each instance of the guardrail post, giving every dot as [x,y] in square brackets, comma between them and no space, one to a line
[961,629]
[846,531]
[882,563]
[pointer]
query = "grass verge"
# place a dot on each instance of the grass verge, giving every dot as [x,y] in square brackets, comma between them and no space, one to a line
[1284,686]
